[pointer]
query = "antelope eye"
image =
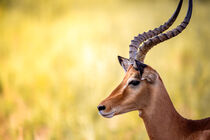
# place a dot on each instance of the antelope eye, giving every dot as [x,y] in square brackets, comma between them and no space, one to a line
[134,82]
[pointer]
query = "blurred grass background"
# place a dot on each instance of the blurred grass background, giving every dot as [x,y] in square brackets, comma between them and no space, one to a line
[58,60]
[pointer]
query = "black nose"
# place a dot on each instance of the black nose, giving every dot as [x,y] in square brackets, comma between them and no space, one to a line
[101,107]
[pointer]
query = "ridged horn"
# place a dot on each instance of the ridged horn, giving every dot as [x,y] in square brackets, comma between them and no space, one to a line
[146,46]
[133,47]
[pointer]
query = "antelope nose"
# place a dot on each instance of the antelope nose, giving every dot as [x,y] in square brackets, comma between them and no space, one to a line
[101,107]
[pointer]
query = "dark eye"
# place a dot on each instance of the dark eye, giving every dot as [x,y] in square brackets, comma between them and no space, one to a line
[134,82]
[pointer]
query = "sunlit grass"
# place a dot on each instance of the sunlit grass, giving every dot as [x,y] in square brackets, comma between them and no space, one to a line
[57,65]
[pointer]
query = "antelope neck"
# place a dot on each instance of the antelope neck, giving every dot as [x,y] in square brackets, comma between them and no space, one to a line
[161,119]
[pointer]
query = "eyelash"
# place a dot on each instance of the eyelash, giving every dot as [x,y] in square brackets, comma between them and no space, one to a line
[134,82]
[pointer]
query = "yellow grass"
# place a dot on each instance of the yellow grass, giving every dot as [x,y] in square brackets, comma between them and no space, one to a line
[58,60]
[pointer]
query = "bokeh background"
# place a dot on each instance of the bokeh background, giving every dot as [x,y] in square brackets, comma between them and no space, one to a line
[58,60]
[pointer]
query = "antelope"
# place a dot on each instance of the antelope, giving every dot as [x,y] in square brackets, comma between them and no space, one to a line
[143,90]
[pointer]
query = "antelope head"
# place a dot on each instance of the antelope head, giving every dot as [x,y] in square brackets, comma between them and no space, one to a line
[141,81]
[133,93]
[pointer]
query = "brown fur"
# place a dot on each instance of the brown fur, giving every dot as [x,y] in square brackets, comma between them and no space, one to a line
[152,101]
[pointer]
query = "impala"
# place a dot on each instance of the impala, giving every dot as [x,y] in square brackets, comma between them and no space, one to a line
[143,90]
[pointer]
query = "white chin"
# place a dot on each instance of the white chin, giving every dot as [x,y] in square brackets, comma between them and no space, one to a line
[107,115]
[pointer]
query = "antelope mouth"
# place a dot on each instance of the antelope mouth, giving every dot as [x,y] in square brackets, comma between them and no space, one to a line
[107,115]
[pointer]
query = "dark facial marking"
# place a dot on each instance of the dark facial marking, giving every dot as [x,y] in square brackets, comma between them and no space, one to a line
[140,66]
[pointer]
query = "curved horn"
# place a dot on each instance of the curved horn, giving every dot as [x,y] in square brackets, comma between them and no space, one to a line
[146,46]
[133,47]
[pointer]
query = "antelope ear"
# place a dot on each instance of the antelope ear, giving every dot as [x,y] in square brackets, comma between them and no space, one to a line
[124,62]
[151,77]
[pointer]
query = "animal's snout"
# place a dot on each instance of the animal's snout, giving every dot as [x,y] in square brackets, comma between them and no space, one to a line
[101,107]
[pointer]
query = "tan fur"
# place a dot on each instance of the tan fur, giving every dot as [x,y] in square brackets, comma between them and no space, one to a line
[152,101]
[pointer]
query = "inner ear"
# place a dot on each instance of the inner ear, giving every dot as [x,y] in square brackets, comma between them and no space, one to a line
[151,77]
[124,62]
